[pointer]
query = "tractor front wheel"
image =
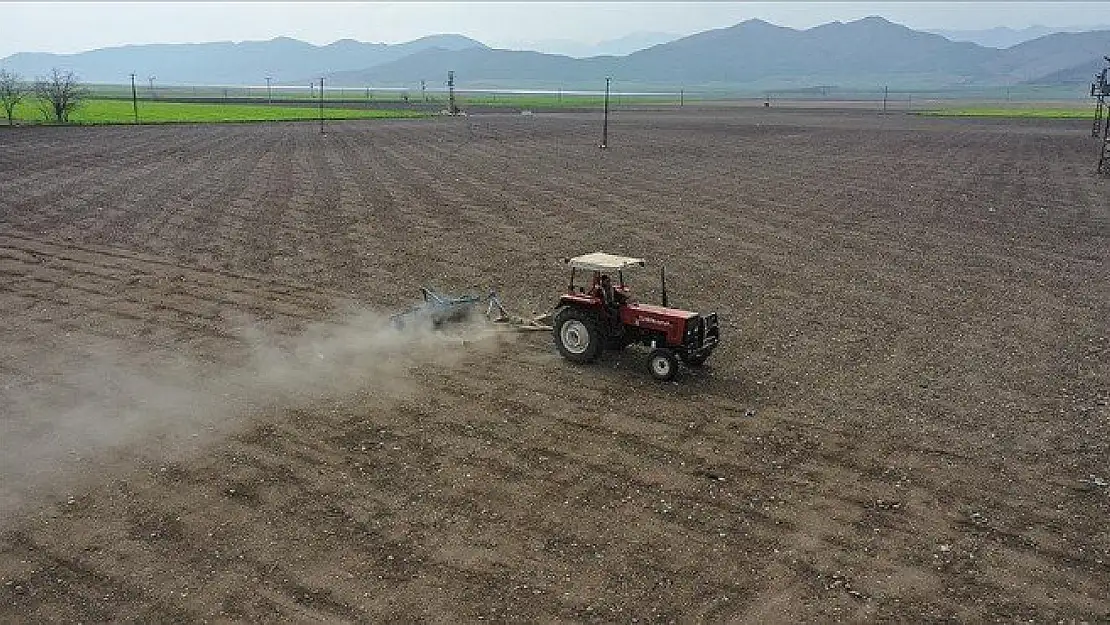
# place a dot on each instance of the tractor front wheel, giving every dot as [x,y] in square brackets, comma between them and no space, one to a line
[577,335]
[663,364]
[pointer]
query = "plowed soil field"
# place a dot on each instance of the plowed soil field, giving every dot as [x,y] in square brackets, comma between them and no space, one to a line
[203,417]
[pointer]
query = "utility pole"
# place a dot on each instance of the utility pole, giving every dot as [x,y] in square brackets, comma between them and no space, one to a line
[321,105]
[134,98]
[1100,89]
[605,122]
[452,109]
[423,93]
[681,97]
[886,92]
[269,94]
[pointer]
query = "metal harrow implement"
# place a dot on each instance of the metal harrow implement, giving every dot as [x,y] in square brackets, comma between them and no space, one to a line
[439,309]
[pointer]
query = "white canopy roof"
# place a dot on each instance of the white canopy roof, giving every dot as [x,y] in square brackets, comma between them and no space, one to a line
[600,261]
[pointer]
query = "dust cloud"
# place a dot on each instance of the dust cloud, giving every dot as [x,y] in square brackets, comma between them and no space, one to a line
[94,405]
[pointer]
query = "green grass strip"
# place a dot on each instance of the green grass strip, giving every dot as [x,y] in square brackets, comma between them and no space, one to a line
[1017,112]
[121,112]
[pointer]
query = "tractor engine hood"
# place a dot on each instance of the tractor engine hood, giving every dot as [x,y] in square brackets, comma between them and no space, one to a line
[660,311]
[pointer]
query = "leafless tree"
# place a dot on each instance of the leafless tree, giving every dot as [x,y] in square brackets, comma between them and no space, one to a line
[59,94]
[12,91]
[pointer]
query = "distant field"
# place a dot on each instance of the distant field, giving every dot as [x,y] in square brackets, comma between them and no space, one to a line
[543,100]
[532,100]
[114,110]
[1070,112]
[121,112]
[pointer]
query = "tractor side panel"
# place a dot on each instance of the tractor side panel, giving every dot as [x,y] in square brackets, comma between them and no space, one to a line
[652,321]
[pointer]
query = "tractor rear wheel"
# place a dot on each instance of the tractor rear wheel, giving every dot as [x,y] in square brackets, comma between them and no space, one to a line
[663,364]
[577,335]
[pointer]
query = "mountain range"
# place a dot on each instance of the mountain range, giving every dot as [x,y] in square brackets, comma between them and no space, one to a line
[1005,37]
[228,63]
[620,46]
[751,55]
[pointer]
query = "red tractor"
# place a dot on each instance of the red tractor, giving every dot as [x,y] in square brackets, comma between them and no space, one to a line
[603,315]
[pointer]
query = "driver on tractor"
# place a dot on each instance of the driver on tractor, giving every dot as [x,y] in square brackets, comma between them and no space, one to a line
[611,298]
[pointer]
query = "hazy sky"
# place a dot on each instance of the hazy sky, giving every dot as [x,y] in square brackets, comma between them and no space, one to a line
[78,26]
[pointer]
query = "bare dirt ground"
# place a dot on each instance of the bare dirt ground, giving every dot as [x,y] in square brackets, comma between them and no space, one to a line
[201,419]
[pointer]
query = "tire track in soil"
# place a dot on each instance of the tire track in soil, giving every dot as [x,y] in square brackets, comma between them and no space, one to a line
[587,497]
[193,201]
[443,255]
[355,228]
[93,592]
[576,485]
[401,221]
[500,217]
[126,266]
[78,204]
[841,235]
[212,234]
[46,173]
[325,217]
[253,209]
[372,195]
[388,216]
[125,300]
[70,275]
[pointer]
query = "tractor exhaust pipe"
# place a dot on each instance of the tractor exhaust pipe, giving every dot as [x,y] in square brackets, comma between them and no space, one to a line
[663,281]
